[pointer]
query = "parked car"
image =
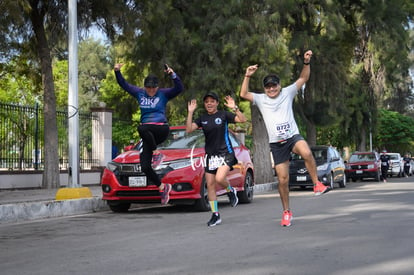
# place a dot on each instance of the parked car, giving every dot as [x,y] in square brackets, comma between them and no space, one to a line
[363,165]
[178,161]
[330,168]
[396,166]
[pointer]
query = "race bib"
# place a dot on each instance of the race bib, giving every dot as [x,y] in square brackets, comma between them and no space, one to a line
[283,130]
[215,162]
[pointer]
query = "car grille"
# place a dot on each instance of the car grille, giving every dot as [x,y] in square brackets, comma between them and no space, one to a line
[139,193]
[126,171]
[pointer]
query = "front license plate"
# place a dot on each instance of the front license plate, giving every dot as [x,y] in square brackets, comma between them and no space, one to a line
[137,181]
[359,171]
[301,178]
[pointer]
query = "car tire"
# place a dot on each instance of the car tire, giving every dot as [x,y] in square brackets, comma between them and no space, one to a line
[331,181]
[246,196]
[202,204]
[354,179]
[377,177]
[342,184]
[119,207]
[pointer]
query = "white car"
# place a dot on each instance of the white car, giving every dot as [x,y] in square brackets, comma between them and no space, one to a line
[396,166]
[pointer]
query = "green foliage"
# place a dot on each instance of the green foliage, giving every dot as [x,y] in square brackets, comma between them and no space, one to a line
[396,132]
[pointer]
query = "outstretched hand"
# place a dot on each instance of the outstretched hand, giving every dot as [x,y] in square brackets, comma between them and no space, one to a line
[251,69]
[229,102]
[118,66]
[192,105]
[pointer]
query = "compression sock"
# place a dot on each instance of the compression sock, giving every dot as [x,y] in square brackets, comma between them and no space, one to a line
[213,206]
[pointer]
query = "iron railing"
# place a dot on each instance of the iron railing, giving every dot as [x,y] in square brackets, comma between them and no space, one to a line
[21,138]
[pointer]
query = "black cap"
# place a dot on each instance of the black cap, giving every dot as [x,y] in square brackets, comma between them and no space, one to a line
[151,81]
[211,94]
[271,79]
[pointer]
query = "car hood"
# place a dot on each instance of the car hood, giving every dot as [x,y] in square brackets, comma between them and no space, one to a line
[160,155]
[361,162]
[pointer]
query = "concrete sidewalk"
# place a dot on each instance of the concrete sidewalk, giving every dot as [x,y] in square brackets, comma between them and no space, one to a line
[32,204]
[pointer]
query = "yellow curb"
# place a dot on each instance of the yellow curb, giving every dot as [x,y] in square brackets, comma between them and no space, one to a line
[73,193]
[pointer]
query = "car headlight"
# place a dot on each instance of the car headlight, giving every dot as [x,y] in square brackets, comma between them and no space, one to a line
[112,166]
[179,164]
[322,167]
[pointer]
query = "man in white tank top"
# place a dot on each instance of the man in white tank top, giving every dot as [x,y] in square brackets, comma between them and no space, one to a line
[275,105]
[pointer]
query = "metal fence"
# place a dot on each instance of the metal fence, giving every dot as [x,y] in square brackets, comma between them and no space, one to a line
[21,138]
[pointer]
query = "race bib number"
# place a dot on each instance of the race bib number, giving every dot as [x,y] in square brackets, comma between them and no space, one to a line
[215,162]
[384,163]
[283,130]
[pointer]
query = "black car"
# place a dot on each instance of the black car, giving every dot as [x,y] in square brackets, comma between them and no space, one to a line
[330,168]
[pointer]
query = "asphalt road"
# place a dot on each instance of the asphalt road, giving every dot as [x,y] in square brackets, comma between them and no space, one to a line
[366,228]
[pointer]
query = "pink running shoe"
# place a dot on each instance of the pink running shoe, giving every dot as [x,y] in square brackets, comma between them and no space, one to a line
[165,194]
[286,218]
[319,188]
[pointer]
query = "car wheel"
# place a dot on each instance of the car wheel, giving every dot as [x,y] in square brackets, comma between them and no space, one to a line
[354,179]
[342,184]
[377,177]
[119,207]
[331,181]
[246,196]
[202,204]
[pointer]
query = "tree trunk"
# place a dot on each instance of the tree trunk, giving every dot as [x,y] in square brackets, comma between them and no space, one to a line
[51,157]
[264,172]
[310,133]
[362,146]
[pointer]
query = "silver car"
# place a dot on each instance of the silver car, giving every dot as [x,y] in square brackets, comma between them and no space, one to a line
[396,166]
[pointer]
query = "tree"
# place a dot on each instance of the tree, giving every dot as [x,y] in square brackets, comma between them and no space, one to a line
[38,29]
[396,132]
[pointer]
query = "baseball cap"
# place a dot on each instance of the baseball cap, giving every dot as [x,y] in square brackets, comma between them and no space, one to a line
[151,81]
[211,94]
[270,79]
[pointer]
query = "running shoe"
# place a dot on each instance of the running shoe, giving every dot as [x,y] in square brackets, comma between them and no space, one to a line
[286,218]
[165,194]
[319,188]
[234,200]
[215,220]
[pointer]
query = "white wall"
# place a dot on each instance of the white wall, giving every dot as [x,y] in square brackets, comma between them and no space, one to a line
[34,180]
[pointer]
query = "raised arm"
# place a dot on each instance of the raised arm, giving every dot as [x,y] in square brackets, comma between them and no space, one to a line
[244,91]
[131,89]
[305,73]
[190,125]
[178,85]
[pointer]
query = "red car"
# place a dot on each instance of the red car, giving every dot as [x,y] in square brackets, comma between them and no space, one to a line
[178,161]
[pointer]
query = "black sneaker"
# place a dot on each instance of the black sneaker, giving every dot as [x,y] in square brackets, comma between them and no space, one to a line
[215,220]
[234,200]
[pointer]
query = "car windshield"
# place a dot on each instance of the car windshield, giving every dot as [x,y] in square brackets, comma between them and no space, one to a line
[179,139]
[362,157]
[318,154]
[394,157]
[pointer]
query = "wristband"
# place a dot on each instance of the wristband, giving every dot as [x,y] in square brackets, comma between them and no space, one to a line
[235,108]
[306,63]
[246,75]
